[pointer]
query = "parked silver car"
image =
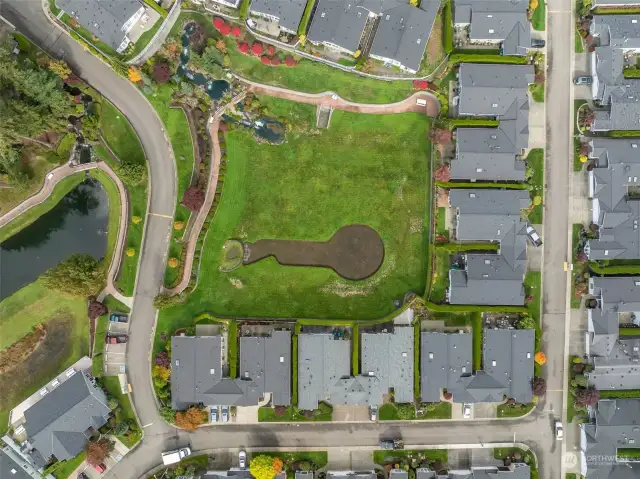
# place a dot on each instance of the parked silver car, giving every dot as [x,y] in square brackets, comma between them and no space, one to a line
[225,413]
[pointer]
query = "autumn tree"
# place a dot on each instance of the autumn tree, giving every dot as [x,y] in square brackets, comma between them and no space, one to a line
[162,359]
[97,451]
[191,418]
[78,275]
[587,397]
[161,375]
[193,198]
[539,386]
[134,75]
[265,467]
[441,136]
[443,173]
[161,72]
[60,68]
[96,309]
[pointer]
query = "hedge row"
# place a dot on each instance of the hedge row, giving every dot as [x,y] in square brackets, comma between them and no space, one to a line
[623,393]
[471,308]
[477,122]
[615,11]
[454,247]
[302,28]
[244,9]
[508,186]
[447,36]
[629,331]
[156,7]
[456,58]
[623,134]
[632,72]
[619,269]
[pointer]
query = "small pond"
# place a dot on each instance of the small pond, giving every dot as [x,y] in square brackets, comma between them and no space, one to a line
[77,224]
[265,128]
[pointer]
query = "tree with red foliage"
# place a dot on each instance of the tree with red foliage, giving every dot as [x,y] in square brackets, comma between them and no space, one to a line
[272,50]
[235,31]
[193,198]
[289,61]
[161,72]
[588,117]
[96,309]
[585,149]
[539,386]
[191,418]
[257,48]
[276,60]
[225,29]
[420,84]
[443,173]
[218,22]
[265,60]
[448,396]
[587,397]
[162,359]
[223,126]
[97,451]
[243,47]
[441,136]
[72,80]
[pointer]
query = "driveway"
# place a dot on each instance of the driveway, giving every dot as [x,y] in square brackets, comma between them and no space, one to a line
[537,129]
[350,413]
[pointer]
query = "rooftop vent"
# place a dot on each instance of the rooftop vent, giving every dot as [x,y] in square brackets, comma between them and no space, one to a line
[489,16]
[491,30]
[487,261]
[418,41]
[322,15]
[430,355]
[478,170]
[528,355]
[634,145]
[387,17]
[494,137]
[464,369]
[404,354]
[246,374]
[494,105]
[634,21]
[212,371]
[177,362]
[493,363]
[472,195]
[282,359]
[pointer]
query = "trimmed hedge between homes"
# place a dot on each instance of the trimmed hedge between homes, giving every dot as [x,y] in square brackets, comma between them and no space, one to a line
[469,308]
[467,184]
[456,58]
[453,247]
[447,36]
[632,72]
[471,122]
[624,134]
[617,269]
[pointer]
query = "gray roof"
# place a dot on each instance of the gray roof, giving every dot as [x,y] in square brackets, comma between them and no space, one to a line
[57,425]
[486,154]
[444,358]
[616,424]
[490,215]
[13,467]
[103,18]
[508,366]
[398,474]
[237,473]
[617,31]
[338,23]
[403,32]
[196,371]
[289,12]
[617,167]
[389,357]
[497,20]
[516,471]
[351,474]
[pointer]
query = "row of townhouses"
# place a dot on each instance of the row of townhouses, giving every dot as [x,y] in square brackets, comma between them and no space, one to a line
[324,369]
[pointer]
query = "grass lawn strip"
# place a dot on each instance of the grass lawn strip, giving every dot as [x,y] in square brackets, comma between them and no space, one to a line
[125,413]
[538,19]
[64,470]
[114,214]
[390,457]
[535,160]
[305,190]
[537,92]
[293,414]
[396,412]
[578,268]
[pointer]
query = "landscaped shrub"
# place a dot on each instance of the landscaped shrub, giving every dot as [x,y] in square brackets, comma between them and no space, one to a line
[243,47]
[96,309]
[193,198]
[289,61]
[265,60]
[162,359]
[162,72]
[257,48]
[472,122]
[173,262]
[235,31]
[447,32]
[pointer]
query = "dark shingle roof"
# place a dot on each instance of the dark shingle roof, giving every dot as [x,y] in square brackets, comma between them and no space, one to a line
[339,23]
[289,12]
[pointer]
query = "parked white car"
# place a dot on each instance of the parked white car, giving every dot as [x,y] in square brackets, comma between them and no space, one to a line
[559,430]
[242,460]
[373,413]
[466,411]
[534,236]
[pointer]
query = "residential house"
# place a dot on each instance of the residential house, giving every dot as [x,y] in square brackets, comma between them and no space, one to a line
[614,186]
[287,13]
[514,471]
[494,216]
[398,474]
[351,475]
[498,22]
[197,375]
[616,360]
[613,425]
[237,473]
[13,465]
[226,3]
[615,3]
[500,92]
[339,25]
[60,424]
[618,38]
[389,357]
[109,20]
[508,366]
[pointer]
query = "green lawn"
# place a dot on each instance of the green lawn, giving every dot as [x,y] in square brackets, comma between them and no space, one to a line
[395,412]
[578,268]
[67,467]
[125,413]
[538,19]
[535,160]
[578,45]
[478,335]
[61,189]
[514,411]
[441,225]
[114,213]
[532,287]
[537,92]
[293,414]
[391,457]
[571,475]
[318,459]
[440,279]
[365,169]
[123,140]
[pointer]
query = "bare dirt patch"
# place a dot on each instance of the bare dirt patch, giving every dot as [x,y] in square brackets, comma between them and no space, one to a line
[20,350]
[355,252]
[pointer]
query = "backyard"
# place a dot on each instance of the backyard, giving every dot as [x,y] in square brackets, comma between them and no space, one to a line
[370,170]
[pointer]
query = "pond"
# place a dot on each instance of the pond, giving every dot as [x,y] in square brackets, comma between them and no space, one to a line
[215,88]
[77,224]
[265,128]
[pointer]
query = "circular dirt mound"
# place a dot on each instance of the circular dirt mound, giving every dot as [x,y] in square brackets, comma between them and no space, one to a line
[232,255]
[357,252]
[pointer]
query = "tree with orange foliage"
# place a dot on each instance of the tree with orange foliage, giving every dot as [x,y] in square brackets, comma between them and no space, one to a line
[191,418]
[540,358]
[134,75]
[97,451]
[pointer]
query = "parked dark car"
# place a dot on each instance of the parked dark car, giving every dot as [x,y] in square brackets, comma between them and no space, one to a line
[115,339]
[583,80]
[537,43]
[391,444]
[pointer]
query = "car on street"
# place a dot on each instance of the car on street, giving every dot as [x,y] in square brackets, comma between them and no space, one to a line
[466,411]
[534,236]
[391,444]
[82,475]
[559,430]
[225,413]
[100,467]
[214,413]
[373,413]
[536,43]
[583,80]
[242,459]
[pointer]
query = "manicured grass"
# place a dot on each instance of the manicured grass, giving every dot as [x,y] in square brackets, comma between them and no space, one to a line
[319,459]
[535,160]
[114,213]
[293,414]
[440,278]
[123,140]
[232,339]
[39,166]
[578,45]
[125,413]
[61,189]
[395,412]
[532,287]
[68,466]
[390,457]
[570,475]
[454,247]
[467,184]
[578,268]
[537,92]
[306,189]
[441,225]
[478,335]
[538,19]
[621,393]
[517,411]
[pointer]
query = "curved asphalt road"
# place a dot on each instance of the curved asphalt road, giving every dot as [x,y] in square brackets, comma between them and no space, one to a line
[536,430]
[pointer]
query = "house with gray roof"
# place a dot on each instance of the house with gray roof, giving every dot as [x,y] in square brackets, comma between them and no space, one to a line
[496,22]
[494,216]
[109,20]
[351,475]
[614,424]
[60,424]
[616,35]
[389,357]
[614,186]
[237,473]
[508,366]
[287,13]
[197,375]
[615,360]
[13,465]
[615,3]
[338,25]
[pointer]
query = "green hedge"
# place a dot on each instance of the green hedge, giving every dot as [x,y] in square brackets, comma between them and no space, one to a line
[622,393]
[477,122]
[456,58]
[454,247]
[476,324]
[232,348]
[632,72]
[304,22]
[471,308]
[629,331]
[623,134]
[468,184]
[615,11]
[244,9]
[416,358]
[447,35]
[355,350]
[294,370]
[620,269]
[629,453]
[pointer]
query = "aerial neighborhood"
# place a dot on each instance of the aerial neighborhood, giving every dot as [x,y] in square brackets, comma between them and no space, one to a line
[320,239]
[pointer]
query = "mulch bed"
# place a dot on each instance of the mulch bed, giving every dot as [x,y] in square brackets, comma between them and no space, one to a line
[355,252]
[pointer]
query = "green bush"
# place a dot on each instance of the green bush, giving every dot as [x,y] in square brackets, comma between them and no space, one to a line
[509,186]
[477,122]
[619,269]
[456,58]
[461,308]
[447,36]
[624,393]
[244,9]
[304,22]
[623,134]
[454,247]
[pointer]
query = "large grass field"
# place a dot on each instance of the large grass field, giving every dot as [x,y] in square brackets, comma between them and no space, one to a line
[372,170]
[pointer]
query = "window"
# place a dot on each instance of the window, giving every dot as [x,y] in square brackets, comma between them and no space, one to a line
[322,15]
